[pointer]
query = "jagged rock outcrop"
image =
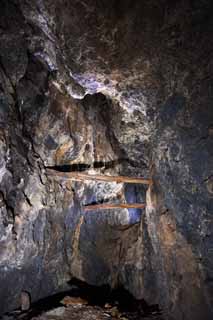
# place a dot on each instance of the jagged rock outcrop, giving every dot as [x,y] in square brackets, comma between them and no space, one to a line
[114,87]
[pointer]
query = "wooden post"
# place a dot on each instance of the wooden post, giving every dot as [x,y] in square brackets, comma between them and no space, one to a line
[104,206]
[80,176]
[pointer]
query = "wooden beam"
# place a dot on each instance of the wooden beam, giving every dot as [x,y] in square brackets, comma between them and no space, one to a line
[104,206]
[81,176]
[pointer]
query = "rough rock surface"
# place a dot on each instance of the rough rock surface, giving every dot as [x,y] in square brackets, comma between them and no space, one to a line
[122,87]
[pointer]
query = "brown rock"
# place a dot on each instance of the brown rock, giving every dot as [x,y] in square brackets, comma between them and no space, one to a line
[25,301]
[67,301]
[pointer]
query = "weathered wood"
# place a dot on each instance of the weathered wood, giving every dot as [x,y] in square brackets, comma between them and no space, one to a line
[103,206]
[80,176]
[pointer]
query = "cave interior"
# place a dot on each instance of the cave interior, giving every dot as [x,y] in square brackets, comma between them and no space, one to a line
[106,159]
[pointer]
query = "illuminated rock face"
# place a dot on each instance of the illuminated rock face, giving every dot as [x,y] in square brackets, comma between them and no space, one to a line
[124,88]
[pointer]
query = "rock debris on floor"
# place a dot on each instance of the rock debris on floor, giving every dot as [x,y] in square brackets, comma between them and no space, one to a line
[81,311]
[88,303]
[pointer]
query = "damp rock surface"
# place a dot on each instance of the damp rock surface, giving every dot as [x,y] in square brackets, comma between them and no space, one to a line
[117,88]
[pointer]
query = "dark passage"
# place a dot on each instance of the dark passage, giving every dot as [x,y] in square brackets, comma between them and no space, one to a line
[95,165]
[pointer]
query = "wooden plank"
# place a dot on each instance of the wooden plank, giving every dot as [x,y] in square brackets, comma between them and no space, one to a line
[104,206]
[81,176]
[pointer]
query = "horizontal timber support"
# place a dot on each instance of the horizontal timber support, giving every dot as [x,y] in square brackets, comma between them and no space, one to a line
[103,206]
[79,176]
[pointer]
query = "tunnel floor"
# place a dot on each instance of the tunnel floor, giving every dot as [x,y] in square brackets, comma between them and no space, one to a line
[85,302]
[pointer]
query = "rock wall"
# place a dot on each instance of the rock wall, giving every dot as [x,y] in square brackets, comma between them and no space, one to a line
[119,87]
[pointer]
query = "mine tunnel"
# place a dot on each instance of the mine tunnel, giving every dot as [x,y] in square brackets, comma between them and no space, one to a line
[106,159]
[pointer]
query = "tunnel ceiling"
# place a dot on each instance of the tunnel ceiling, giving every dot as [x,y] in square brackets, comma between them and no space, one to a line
[116,88]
